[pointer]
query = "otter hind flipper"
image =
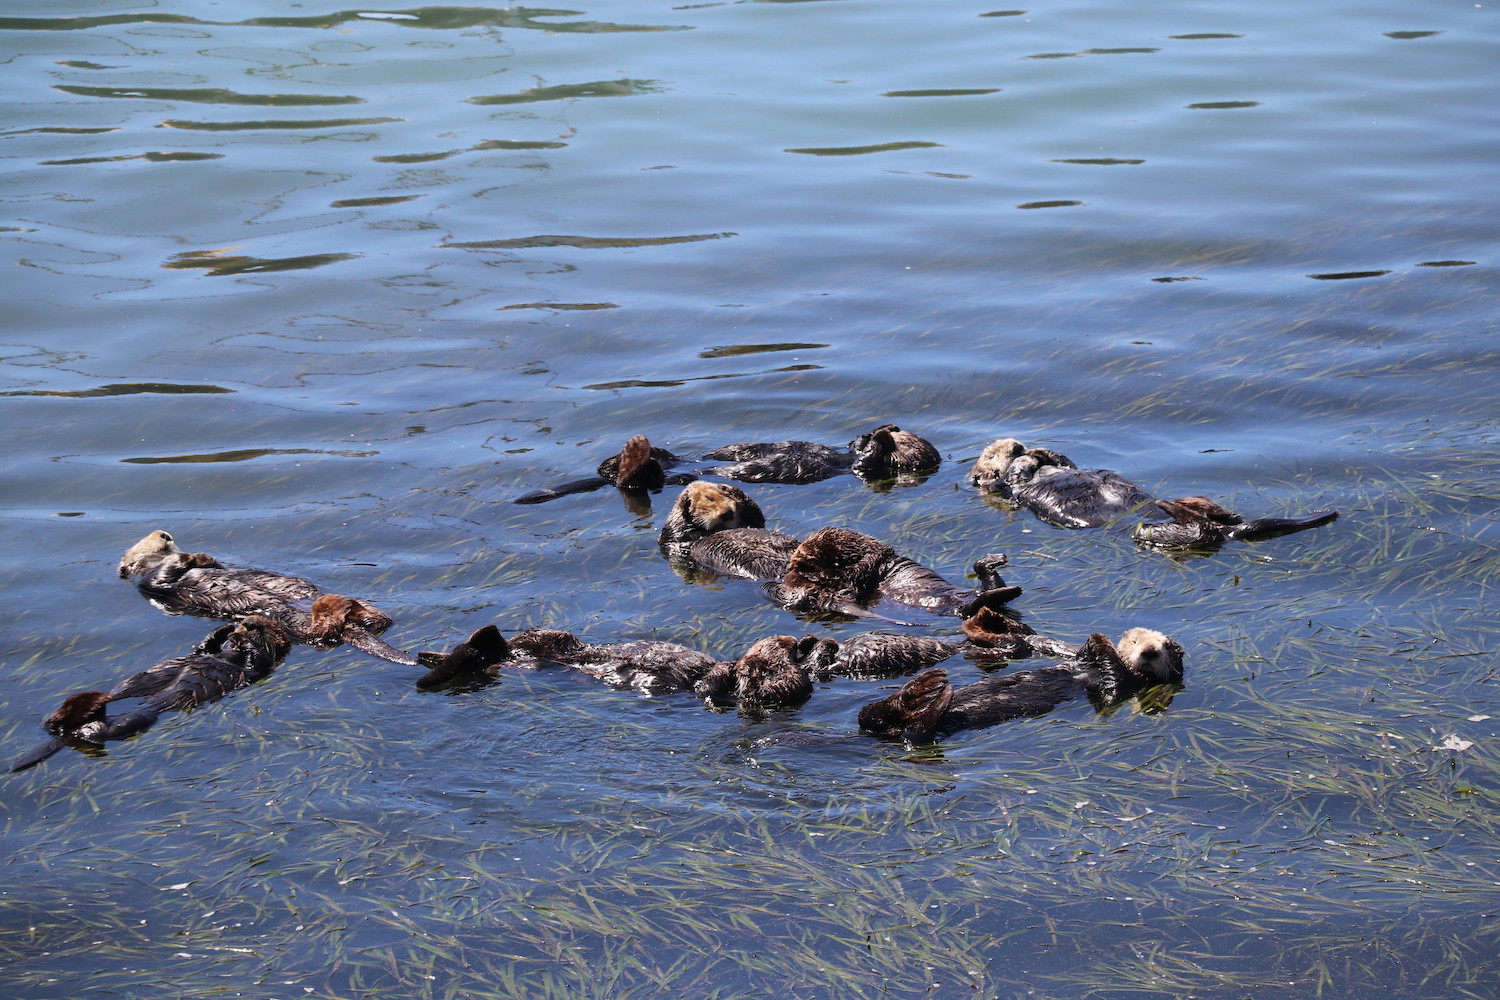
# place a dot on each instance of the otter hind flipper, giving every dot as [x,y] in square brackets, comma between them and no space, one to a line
[914,711]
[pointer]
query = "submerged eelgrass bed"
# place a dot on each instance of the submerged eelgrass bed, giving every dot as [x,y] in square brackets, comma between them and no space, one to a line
[1314,815]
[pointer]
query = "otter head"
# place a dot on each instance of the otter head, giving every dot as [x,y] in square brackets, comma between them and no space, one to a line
[994,462]
[703,508]
[889,449]
[145,554]
[776,671]
[1152,656]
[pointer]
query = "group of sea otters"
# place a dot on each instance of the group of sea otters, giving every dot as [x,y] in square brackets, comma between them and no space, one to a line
[717,529]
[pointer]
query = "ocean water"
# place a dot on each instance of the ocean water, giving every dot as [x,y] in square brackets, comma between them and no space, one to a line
[324,291]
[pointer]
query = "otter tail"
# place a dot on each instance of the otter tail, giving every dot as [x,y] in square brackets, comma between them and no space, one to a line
[39,754]
[562,490]
[1272,527]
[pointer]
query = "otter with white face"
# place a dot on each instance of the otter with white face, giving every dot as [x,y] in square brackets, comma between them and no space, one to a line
[1054,489]
[928,706]
[193,583]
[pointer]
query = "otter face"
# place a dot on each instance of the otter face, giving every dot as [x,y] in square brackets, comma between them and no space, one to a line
[1152,655]
[990,468]
[146,553]
[703,508]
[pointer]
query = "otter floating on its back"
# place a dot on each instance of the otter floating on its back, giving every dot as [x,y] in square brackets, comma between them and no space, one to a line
[839,571]
[717,528]
[637,469]
[1055,490]
[883,454]
[232,657]
[647,665]
[927,706]
[1199,523]
[193,583]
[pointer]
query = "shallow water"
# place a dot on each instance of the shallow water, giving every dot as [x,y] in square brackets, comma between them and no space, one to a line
[322,291]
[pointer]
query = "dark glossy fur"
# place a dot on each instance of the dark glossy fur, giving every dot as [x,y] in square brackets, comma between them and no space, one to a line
[798,462]
[928,706]
[232,657]
[883,454]
[197,584]
[1199,523]
[838,571]
[645,665]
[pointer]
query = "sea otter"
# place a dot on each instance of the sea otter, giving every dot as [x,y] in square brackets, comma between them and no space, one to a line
[1053,488]
[197,584]
[232,657]
[775,672]
[650,666]
[885,453]
[1060,493]
[637,469]
[1199,523]
[717,528]
[780,671]
[928,707]
[836,570]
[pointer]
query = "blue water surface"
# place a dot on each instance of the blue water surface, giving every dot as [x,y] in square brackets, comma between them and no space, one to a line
[323,290]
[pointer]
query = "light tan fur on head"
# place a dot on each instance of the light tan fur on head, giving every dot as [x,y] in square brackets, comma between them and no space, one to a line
[712,506]
[703,508]
[994,460]
[146,553]
[1152,655]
